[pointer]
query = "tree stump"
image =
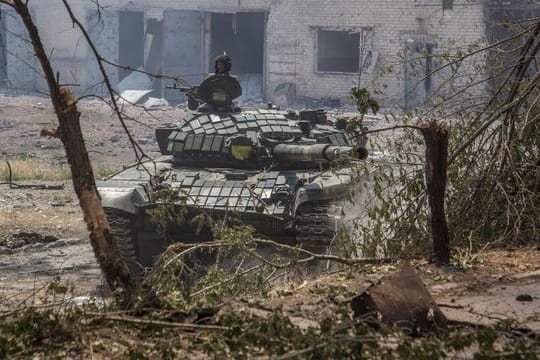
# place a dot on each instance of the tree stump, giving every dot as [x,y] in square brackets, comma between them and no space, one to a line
[436,139]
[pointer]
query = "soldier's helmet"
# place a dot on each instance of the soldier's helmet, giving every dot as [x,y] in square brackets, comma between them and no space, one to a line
[226,61]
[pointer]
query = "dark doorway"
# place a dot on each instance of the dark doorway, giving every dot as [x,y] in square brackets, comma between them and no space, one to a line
[241,36]
[3,52]
[505,19]
[418,72]
[131,40]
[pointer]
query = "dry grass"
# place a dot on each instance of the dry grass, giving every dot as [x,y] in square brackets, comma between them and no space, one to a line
[44,222]
[35,169]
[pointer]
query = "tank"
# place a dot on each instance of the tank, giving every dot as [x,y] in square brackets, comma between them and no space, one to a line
[283,173]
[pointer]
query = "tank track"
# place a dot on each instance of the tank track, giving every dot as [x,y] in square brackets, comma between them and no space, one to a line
[316,229]
[127,231]
[121,229]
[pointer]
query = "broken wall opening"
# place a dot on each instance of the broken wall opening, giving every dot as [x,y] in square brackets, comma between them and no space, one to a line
[338,51]
[418,71]
[241,36]
[131,42]
[154,45]
[503,21]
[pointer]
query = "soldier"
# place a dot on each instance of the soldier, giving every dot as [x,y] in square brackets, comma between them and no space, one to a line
[223,65]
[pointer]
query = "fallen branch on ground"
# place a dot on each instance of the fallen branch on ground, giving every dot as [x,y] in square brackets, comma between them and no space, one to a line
[158,322]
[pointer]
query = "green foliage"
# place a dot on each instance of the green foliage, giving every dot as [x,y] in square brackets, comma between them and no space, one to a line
[188,278]
[493,187]
[426,349]
[364,100]
[493,191]
[276,335]
[68,332]
[460,340]
[169,208]
[364,103]
[393,221]
[31,328]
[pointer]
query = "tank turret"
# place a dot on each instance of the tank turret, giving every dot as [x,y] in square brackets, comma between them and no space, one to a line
[220,135]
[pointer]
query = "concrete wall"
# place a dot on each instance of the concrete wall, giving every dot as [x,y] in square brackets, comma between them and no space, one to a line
[20,64]
[290,37]
[394,23]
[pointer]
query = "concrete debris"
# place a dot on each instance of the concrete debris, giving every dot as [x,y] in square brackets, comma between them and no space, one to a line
[114,139]
[133,96]
[155,103]
[135,80]
[6,126]
[46,144]
[402,299]
[57,203]
[88,300]
[251,87]
[134,88]
[144,141]
[284,94]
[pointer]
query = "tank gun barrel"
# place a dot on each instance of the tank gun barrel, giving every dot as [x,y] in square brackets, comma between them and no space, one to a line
[316,152]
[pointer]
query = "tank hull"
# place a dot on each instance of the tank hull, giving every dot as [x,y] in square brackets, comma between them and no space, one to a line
[294,207]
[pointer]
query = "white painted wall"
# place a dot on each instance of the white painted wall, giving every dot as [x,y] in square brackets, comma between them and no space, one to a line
[290,41]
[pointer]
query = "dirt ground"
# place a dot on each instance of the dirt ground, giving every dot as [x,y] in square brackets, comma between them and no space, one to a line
[56,212]
[486,290]
[23,117]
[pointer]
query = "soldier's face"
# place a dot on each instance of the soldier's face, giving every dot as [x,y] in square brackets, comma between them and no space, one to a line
[220,67]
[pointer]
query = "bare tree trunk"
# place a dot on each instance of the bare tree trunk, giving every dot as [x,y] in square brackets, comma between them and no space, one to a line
[112,264]
[436,139]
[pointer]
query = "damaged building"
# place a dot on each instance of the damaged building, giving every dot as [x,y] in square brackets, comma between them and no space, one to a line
[282,50]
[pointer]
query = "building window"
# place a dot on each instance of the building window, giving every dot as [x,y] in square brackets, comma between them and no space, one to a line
[338,51]
[447,4]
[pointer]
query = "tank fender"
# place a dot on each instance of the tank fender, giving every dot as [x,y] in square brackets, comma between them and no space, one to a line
[315,192]
[126,199]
